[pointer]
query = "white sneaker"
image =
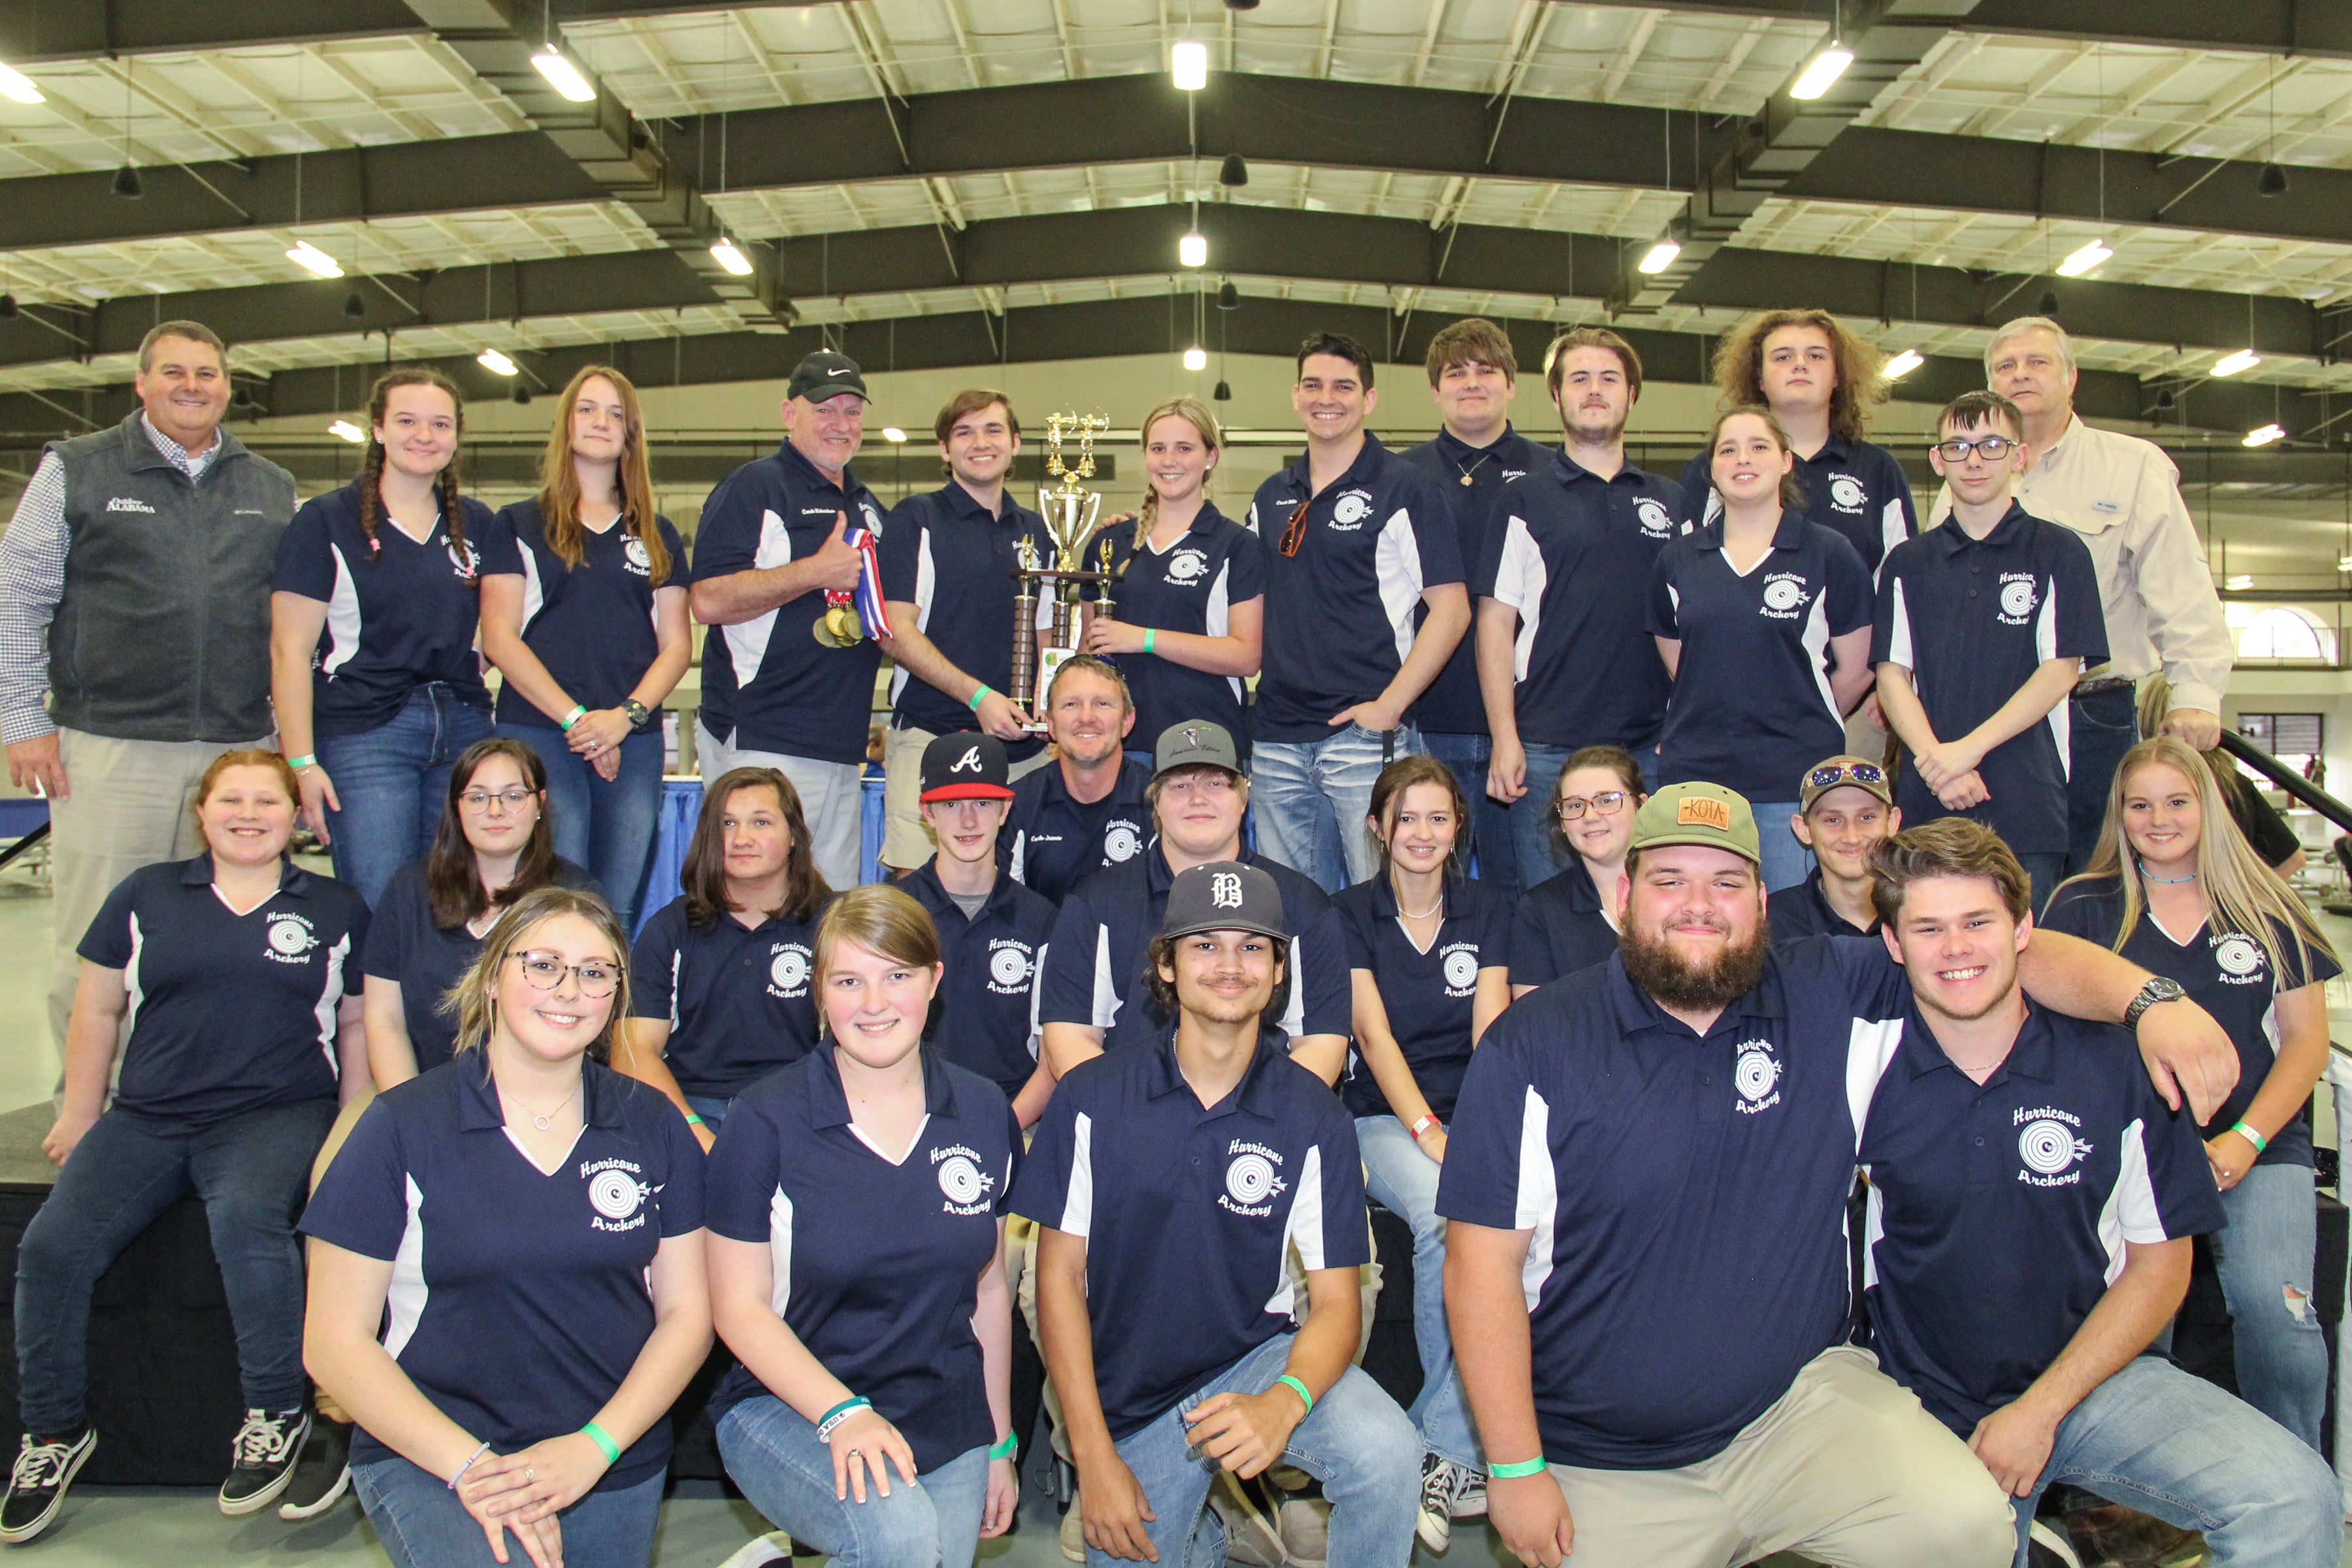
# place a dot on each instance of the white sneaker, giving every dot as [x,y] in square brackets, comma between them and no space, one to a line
[1074,1533]
[767,1549]
[1434,1525]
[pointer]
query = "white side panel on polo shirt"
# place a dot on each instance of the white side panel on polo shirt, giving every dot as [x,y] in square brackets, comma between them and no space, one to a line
[331,996]
[534,592]
[1520,582]
[1873,1231]
[1107,1003]
[1078,1202]
[1870,1050]
[780,1251]
[1816,644]
[1294,1011]
[2130,1214]
[1220,617]
[1898,644]
[1537,1207]
[1302,1228]
[747,642]
[342,615]
[927,587]
[1891,531]
[1036,1002]
[137,992]
[1021,863]
[2061,720]
[1397,563]
[404,1297]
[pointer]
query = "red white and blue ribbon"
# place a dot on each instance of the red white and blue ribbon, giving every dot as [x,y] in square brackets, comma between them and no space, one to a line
[868,595]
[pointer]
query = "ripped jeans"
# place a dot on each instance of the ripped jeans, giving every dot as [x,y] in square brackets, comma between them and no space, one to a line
[2265,1259]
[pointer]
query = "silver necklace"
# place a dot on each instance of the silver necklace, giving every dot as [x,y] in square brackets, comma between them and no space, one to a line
[2168,881]
[543,1121]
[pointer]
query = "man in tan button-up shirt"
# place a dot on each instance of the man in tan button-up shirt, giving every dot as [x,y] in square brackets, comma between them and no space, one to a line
[2123,496]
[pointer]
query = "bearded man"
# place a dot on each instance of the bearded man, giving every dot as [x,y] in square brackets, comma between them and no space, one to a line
[1645,1186]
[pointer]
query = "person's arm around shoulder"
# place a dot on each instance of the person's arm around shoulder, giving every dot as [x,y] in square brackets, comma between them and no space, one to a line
[2189,1055]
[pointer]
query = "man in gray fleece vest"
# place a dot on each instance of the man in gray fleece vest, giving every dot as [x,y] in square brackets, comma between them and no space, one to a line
[134,628]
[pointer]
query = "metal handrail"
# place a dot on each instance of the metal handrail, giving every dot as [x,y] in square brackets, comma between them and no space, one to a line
[2287,779]
[31,837]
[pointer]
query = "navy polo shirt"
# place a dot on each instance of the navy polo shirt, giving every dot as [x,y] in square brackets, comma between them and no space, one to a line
[1689,1256]
[986,1020]
[1802,910]
[519,1299]
[592,625]
[1574,552]
[1752,707]
[946,539]
[1999,1212]
[1561,927]
[737,996]
[1427,995]
[229,1013]
[1191,1205]
[1972,619]
[876,1263]
[1342,614]
[1094,975]
[2225,972]
[1052,842]
[425,960]
[1191,586]
[1471,479]
[400,619]
[1856,488]
[767,684]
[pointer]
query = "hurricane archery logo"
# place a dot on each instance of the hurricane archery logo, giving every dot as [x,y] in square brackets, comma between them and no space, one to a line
[1187,566]
[872,519]
[1784,595]
[962,1180]
[615,1193]
[465,558]
[1656,522]
[1348,512]
[290,939]
[2239,958]
[788,969]
[1010,964]
[638,560]
[1846,493]
[2048,1146]
[1121,842]
[2018,597]
[1756,1074]
[1461,967]
[1253,1180]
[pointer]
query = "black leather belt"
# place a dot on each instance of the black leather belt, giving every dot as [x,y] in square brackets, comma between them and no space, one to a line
[2104,683]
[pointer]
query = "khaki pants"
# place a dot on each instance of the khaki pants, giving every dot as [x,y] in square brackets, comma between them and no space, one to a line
[130,805]
[1845,1469]
[906,842]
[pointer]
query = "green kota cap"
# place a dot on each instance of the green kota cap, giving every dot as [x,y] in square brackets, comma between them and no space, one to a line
[1698,814]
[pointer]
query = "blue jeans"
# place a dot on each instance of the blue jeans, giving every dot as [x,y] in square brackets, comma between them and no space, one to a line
[1787,861]
[393,783]
[1488,833]
[2046,871]
[774,1453]
[252,1172]
[1310,799]
[2157,1439]
[712,1108]
[2101,727]
[1404,1180]
[2265,1262]
[606,827]
[420,1523]
[1355,1441]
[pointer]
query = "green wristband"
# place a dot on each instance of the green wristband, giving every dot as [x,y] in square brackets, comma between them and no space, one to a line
[577,714]
[1512,1472]
[598,1436]
[306,759]
[1149,634]
[1005,1447]
[694,1121]
[1301,1390]
[972,701]
[2260,1144]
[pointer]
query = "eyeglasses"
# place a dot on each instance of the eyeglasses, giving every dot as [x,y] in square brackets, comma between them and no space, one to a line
[1608,803]
[480,799]
[1994,447]
[1294,532]
[545,971]
[1841,773]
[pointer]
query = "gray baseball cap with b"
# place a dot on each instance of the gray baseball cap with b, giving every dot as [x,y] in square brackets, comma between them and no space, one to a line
[1224,895]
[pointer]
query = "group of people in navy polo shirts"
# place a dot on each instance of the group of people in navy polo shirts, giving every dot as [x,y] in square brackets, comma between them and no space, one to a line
[1606,995]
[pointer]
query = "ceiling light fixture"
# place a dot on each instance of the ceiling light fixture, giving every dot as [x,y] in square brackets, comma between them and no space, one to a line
[2265,436]
[496,362]
[310,259]
[1188,62]
[15,84]
[1229,298]
[2270,182]
[348,431]
[723,251]
[2344,564]
[1232,171]
[563,76]
[1192,249]
[1904,363]
[1196,359]
[1660,257]
[2245,359]
[1224,392]
[127,184]
[2238,583]
[1826,68]
[892,433]
[2083,260]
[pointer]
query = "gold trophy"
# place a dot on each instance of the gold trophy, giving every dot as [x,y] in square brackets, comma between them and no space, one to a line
[1069,509]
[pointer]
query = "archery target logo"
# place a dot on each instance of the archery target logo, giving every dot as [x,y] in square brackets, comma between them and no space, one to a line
[789,970]
[1009,967]
[1250,1180]
[1755,1074]
[635,553]
[2237,956]
[2017,599]
[1846,493]
[290,938]
[1187,565]
[1655,522]
[465,557]
[615,1195]
[1351,508]
[2048,1146]
[1121,842]
[962,1180]
[1461,969]
[1783,594]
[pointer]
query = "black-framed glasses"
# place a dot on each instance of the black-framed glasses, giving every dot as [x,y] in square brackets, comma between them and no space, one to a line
[1994,447]
[512,797]
[1608,803]
[545,971]
[1294,532]
[1846,773]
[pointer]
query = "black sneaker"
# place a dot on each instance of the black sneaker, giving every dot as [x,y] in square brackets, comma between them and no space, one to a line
[322,1473]
[37,1486]
[265,1448]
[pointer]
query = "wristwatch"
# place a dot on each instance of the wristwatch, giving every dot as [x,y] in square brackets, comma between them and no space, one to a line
[2157,989]
[639,715]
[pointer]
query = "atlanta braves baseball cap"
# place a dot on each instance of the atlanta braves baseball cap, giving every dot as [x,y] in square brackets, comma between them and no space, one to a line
[1697,812]
[965,765]
[1195,743]
[1223,895]
[823,374]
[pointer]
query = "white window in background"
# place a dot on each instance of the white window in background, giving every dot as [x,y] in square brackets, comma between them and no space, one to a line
[2287,632]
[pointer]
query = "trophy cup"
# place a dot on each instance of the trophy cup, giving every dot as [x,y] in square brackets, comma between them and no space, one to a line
[1069,510]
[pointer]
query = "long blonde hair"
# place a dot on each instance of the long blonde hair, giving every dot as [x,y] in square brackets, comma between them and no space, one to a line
[1195,413]
[558,480]
[2241,894]
[470,998]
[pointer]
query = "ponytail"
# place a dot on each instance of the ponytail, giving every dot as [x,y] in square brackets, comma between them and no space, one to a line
[371,480]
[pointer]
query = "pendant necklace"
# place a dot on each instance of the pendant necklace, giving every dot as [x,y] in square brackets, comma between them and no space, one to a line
[543,1121]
